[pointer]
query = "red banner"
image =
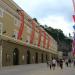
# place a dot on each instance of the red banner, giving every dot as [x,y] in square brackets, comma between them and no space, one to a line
[21,13]
[44,40]
[40,34]
[33,32]
[73,17]
[48,43]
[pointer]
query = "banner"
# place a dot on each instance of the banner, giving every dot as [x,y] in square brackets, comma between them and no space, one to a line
[73,17]
[40,34]
[44,40]
[48,43]
[33,32]
[21,13]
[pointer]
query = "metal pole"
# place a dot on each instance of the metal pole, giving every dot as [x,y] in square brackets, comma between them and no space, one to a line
[1,29]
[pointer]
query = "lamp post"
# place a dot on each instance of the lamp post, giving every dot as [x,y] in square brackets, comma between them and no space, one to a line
[1,32]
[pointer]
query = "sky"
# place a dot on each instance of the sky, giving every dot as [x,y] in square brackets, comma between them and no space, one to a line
[53,13]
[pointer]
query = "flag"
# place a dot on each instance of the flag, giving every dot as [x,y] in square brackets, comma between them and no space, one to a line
[73,17]
[74,27]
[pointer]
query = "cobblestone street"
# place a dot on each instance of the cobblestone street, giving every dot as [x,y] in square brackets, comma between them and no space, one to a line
[36,69]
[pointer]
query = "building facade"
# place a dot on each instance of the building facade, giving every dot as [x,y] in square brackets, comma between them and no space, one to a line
[22,40]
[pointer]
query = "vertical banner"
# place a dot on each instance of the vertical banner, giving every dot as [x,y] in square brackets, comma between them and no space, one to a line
[33,32]
[40,35]
[21,13]
[73,17]
[44,40]
[73,43]
[48,43]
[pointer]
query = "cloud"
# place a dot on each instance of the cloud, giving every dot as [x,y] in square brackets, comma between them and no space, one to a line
[45,7]
[58,22]
[54,13]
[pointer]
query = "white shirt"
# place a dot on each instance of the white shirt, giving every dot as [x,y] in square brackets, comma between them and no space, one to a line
[54,61]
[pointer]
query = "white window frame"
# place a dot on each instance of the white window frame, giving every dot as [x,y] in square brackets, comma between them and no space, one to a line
[1,12]
[16,22]
[29,30]
[1,28]
[15,32]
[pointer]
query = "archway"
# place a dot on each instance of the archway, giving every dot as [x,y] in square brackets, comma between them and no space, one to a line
[36,57]
[15,56]
[42,57]
[46,57]
[28,57]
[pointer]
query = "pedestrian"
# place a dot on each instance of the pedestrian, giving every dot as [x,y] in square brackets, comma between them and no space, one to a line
[61,63]
[57,62]
[50,64]
[47,63]
[69,61]
[53,64]
[66,62]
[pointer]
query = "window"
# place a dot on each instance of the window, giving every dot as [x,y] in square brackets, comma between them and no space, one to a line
[15,34]
[16,22]
[1,25]
[29,30]
[28,40]
[36,43]
[36,35]
[1,12]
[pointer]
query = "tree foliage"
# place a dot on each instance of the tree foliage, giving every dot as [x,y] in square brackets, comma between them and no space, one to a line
[64,43]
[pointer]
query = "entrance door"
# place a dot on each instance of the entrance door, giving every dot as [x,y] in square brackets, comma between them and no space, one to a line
[36,57]
[15,56]
[42,58]
[46,58]
[28,57]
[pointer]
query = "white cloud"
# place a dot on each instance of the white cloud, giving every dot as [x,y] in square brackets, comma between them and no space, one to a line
[57,22]
[54,13]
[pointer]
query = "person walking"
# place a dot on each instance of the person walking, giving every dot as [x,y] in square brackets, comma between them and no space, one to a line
[61,63]
[66,62]
[58,61]
[47,63]
[50,64]
[53,64]
[69,61]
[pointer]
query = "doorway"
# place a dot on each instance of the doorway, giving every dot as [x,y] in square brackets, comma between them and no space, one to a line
[16,57]
[42,57]
[28,57]
[36,57]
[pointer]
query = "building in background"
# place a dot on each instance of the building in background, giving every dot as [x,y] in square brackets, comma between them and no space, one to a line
[60,55]
[22,40]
